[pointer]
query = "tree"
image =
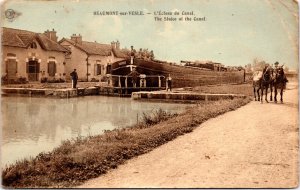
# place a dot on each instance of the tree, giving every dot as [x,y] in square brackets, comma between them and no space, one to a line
[258,65]
[248,68]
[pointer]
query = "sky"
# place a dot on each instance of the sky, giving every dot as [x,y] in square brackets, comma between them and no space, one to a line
[234,32]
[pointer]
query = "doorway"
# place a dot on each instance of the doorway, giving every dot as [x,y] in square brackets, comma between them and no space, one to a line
[33,68]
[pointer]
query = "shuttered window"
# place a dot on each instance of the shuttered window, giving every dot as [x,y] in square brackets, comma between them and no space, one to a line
[11,68]
[97,69]
[108,69]
[51,68]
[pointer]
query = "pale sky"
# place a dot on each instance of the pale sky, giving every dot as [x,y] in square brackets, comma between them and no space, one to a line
[234,33]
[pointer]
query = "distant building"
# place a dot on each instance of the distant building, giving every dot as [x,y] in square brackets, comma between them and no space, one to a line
[209,65]
[235,68]
[92,60]
[32,55]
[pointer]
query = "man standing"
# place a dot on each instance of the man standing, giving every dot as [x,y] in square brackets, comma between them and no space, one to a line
[169,83]
[134,74]
[74,77]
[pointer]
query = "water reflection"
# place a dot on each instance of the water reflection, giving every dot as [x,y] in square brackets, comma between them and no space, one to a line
[32,125]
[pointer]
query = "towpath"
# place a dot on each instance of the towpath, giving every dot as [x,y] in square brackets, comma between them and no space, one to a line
[255,146]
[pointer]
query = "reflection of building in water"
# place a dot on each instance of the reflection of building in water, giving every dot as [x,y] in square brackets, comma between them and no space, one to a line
[32,118]
[44,122]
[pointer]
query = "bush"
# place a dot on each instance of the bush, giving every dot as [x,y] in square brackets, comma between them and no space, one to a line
[155,117]
[20,80]
[60,80]
[94,80]
[44,79]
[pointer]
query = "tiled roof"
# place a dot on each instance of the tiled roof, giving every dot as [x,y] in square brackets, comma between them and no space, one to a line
[50,45]
[23,39]
[95,48]
[119,53]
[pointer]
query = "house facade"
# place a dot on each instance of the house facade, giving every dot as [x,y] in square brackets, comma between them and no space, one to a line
[33,56]
[91,59]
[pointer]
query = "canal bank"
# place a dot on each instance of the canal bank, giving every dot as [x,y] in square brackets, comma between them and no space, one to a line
[84,158]
[137,93]
[74,92]
[183,96]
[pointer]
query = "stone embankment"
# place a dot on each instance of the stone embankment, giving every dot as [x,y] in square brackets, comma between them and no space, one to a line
[110,91]
[182,96]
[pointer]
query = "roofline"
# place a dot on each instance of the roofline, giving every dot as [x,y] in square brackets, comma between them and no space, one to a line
[75,45]
[66,50]
[18,29]
[36,37]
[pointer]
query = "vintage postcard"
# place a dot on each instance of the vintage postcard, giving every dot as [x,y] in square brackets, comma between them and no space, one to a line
[149,94]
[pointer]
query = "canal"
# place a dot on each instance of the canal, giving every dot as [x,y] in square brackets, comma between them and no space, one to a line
[31,125]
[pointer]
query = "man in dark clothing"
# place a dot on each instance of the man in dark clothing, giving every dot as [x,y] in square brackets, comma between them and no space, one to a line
[134,74]
[74,77]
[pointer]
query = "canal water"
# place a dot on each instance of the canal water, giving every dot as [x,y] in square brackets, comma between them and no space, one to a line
[31,125]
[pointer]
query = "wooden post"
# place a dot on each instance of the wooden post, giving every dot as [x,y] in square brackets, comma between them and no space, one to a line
[119,81]
[126,82]
[159,82]
[131,60]
[167,85]
[142,80]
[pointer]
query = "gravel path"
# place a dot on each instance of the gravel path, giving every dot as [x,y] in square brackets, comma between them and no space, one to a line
[255,146]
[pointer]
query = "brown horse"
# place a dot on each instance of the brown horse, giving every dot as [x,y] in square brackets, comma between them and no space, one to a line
[266,80]
[279,83]
[272,82]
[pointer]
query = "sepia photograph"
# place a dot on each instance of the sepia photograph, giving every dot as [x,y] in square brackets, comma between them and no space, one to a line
[149,94]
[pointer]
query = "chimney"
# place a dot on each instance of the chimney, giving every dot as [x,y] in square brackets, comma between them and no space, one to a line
[113,44]
[118,45]
[76,39]
[51,35]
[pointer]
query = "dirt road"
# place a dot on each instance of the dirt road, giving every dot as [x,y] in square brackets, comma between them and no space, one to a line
[254,146]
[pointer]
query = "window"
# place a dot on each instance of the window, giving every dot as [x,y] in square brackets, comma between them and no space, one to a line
[51,68]
[97,69]
[108,69]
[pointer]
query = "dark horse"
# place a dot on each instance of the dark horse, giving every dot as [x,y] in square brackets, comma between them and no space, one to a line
[266,81]
[279,83]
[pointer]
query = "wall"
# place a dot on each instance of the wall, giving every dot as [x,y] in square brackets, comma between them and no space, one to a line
[23,54]
[78,62]
[104,61]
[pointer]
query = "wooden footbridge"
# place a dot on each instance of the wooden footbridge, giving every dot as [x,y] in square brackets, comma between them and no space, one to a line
[125,85]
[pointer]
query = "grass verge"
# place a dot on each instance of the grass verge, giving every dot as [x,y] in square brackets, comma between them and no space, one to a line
[245,89]
[78,160]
